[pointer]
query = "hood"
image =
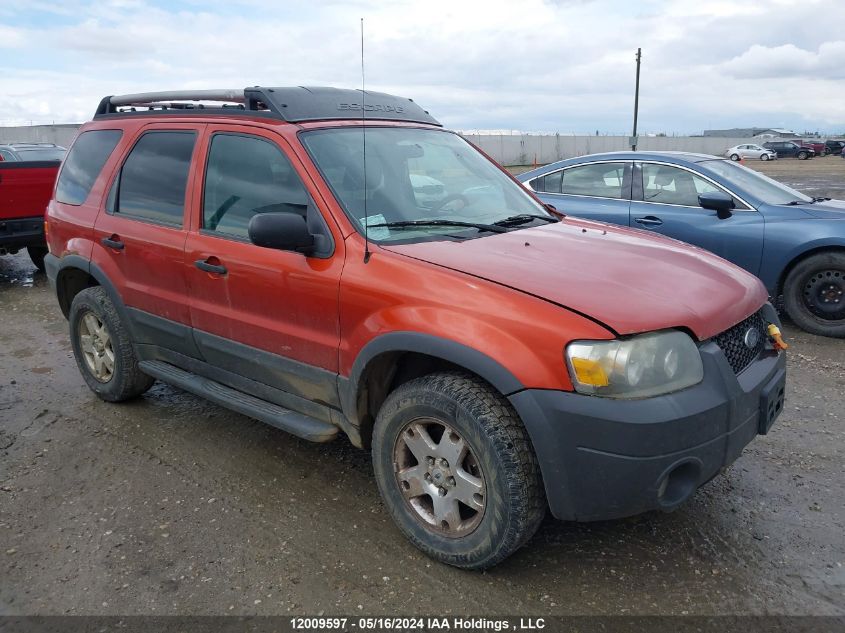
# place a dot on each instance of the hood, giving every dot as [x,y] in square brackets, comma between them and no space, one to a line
[829,209]
[630,280]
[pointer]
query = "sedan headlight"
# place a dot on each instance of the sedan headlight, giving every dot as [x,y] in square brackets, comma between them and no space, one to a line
[638,367]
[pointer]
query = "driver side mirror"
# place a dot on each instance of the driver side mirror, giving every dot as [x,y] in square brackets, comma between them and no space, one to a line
[719,202]
[282,231]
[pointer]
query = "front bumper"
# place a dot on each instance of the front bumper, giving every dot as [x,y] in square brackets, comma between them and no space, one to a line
[18,233]
[603,458]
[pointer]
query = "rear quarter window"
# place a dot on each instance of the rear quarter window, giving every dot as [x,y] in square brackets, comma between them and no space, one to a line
[84,163]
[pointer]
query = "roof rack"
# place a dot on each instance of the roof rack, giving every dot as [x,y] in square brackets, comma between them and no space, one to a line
[295,104]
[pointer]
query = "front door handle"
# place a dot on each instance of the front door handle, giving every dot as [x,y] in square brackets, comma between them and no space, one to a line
[649,220]
[113,242]
[207,266]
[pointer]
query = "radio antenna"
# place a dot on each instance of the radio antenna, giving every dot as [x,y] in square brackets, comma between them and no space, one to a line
[364,141]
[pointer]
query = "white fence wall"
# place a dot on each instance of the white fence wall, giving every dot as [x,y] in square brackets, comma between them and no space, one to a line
[58,134]
[524,149]
[516,149]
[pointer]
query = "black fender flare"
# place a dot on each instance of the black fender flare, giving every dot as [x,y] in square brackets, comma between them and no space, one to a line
[55,266]
[417,342]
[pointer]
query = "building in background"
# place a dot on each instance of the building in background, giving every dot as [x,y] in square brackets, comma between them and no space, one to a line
[751,132]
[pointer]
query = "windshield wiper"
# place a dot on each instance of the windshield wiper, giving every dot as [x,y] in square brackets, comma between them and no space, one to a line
[524,218]
[412,223]
[797,202]
[820,199]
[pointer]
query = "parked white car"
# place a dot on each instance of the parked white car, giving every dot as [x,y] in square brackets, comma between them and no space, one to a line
[750,150]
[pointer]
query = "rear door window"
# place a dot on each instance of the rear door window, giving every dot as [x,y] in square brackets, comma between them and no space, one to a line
[84,163]
[601,180]
[152,182]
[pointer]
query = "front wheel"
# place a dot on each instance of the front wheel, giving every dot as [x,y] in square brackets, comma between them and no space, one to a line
[814,294]
[456,470]
[803,155]
[764,157]
[734,157]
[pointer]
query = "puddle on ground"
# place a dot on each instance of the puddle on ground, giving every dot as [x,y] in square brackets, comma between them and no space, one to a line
[17,270]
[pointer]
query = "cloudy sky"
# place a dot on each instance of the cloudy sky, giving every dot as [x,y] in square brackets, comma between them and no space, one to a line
[535,65]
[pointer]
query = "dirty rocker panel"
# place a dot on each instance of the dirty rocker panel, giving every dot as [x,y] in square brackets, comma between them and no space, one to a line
[303,426]
[289,383]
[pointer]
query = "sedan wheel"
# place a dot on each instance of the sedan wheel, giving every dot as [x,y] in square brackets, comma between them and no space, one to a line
[824,294]
[814,294]
[734,156]
[764,157]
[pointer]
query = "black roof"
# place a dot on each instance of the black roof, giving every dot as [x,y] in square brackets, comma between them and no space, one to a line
[294,104]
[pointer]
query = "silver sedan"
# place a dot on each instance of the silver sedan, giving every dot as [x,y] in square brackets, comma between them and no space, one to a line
[750,150]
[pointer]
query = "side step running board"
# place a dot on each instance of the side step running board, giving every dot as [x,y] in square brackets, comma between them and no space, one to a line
[295,423]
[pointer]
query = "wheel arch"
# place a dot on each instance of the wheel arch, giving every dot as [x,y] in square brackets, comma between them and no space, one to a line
[393,359]
[75,273]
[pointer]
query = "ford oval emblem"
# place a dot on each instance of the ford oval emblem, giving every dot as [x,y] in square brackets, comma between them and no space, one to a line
[751,338]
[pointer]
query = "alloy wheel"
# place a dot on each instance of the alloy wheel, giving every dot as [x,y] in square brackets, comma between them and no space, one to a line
[96,345]
[439,477]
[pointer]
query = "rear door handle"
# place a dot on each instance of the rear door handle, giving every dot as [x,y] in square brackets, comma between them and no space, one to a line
[113,242]
[203,264]
[649,220]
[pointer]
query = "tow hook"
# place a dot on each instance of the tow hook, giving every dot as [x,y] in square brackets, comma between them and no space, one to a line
[777,340]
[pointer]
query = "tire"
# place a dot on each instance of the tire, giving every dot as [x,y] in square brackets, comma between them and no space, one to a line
[734,157]
[764,157]
[37,255]
[90,309]
[814,294]
[498,454]
[803,155]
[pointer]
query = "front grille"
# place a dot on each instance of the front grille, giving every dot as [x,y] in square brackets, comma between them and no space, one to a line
[732,342]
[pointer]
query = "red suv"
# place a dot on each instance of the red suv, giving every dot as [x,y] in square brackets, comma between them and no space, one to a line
[331,261]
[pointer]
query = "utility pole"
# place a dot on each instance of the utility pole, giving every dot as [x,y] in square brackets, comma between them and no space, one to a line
[636,102]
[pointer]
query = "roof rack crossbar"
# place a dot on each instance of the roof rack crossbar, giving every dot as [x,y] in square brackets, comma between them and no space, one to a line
[143,98]
[110,104]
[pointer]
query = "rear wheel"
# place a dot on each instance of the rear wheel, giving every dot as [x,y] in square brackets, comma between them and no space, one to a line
[814,294]
[103,349]
[37,255]
[456,470]
[734,156]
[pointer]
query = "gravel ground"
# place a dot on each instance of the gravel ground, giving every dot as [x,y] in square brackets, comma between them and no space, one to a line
[171,505]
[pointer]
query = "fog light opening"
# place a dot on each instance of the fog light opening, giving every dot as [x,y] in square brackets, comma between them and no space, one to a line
[678,484]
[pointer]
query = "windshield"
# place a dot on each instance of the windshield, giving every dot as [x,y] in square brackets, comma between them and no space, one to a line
[416,175]
[756,184]
[41,154]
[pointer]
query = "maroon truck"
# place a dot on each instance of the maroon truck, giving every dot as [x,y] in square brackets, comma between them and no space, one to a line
[819,147]
[27,175]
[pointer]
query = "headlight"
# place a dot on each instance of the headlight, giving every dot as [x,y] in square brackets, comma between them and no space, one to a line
[638,367]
